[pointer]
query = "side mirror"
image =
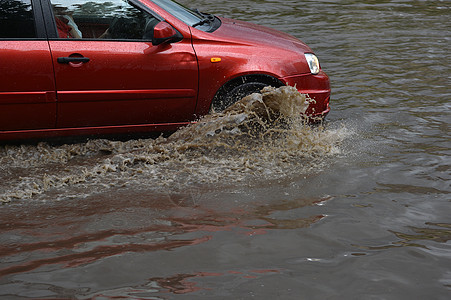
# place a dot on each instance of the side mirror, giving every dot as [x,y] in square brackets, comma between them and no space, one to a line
[163,32]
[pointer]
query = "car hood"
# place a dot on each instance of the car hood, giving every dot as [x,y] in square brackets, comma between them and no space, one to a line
[244,32]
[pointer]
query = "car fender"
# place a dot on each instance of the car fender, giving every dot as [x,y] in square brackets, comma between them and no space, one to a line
[220,62]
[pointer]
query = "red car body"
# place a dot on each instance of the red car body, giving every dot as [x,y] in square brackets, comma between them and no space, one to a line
[121,86]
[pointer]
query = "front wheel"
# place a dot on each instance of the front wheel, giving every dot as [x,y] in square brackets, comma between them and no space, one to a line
[227,98]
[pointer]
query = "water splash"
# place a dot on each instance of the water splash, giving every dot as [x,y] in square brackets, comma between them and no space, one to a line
[262,136]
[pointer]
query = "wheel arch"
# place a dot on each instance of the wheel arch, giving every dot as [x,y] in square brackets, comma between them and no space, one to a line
[227,87]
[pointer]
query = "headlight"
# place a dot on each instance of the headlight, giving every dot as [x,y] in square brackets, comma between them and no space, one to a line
[313,62]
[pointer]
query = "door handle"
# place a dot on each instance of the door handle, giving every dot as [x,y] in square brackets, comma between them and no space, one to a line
[66,60]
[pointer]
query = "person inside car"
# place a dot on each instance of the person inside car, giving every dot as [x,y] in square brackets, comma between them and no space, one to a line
[65,24]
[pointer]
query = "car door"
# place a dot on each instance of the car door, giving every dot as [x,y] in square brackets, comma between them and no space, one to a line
[107,71]
[27,87]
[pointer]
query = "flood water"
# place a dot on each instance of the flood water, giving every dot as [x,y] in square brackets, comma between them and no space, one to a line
[359,208]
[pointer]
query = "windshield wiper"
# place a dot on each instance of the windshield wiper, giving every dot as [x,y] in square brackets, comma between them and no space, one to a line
[206,18]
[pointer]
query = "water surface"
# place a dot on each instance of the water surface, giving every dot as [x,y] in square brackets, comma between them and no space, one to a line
[358,209]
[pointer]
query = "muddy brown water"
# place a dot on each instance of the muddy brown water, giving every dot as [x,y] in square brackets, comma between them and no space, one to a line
[357,209]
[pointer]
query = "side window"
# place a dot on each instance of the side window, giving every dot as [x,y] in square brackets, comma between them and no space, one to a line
[102,19]
[16,19]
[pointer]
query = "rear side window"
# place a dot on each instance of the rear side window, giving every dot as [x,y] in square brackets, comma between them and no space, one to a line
[16,19]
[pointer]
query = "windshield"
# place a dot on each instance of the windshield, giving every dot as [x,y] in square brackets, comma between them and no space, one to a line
[186,15]
[179,11]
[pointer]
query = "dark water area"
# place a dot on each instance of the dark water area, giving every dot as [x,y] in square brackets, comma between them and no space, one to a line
[359,209]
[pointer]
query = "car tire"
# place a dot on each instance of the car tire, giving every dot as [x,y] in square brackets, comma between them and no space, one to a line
[224,100]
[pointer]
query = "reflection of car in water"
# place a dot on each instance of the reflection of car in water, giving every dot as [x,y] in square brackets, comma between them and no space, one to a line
[136,66]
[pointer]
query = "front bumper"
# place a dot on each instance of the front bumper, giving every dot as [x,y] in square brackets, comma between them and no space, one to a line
[317,87]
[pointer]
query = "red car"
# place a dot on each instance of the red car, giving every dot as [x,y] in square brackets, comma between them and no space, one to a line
[82,67]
